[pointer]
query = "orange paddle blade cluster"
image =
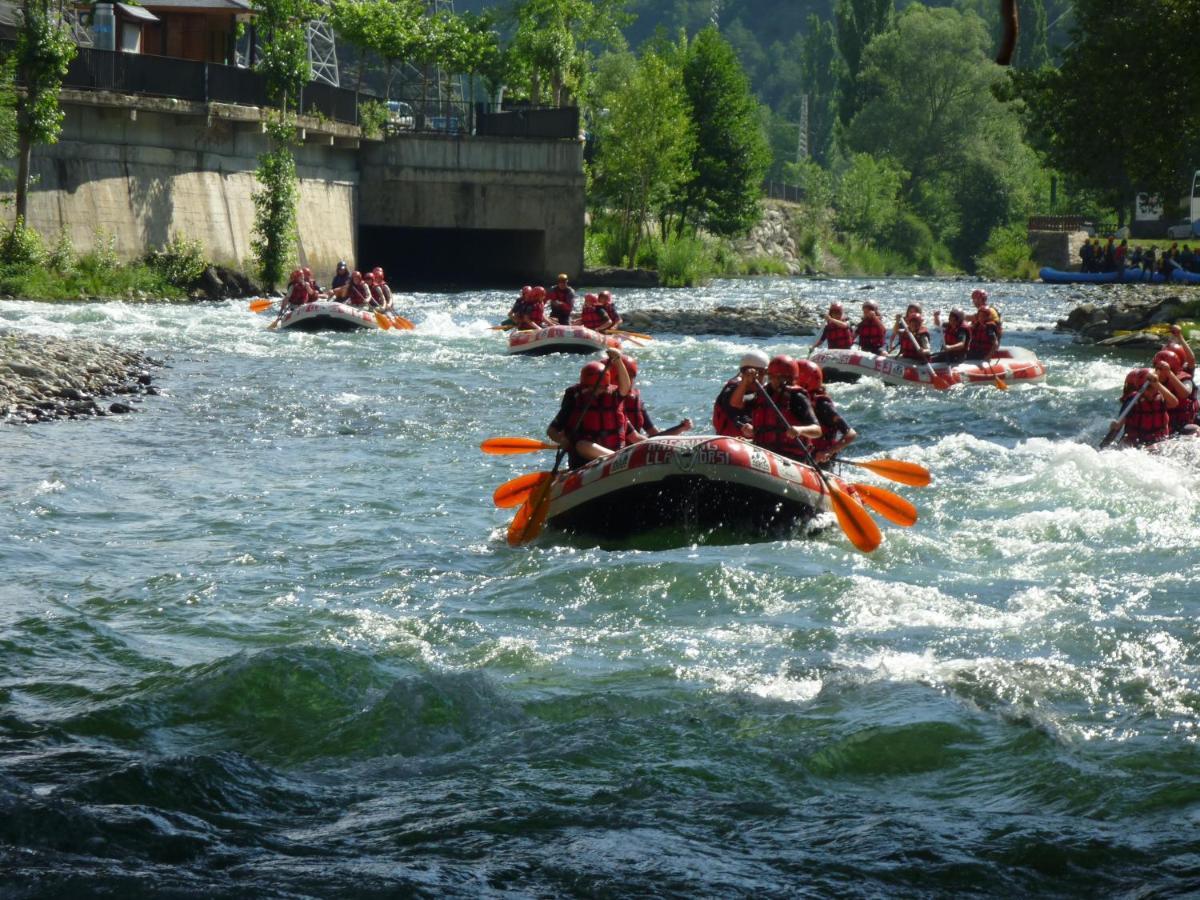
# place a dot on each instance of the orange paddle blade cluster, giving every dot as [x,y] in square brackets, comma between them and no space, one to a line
[859,527]
[261,304]
[887,503]
[501,446]
[897,470]
[382,321]
[516,491]
[527,523]
[402,323]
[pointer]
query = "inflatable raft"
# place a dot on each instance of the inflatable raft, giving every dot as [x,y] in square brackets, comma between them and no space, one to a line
[1129,276]
[327,315]
[1015,365]
[693,484]
[559,339]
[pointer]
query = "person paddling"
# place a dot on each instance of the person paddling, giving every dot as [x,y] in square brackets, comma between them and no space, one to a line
[358,292]
[837,333]
[914,338]
[591,421]
[1169,368]
[299,292]
[871,333]
[594,315]
[638,423]
[341,280]
[784,437]
[733,420]
[985,328]
[529,312]
[606,303]
[380,292]
[956,337]
[1148,422]
[836,434]
[562,301]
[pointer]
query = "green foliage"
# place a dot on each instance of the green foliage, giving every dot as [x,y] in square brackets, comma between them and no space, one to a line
[8,110]
[909,236]
[372,117]
[865,259]
[61,258]
[684,261]
[180,261]
[553,38]
[274,237]
[816,182]
[868,196]
[103,257]
[44,50]
[283,52]
[643,148]
[1007,254]
[21,247]
[857,24]
[729,156]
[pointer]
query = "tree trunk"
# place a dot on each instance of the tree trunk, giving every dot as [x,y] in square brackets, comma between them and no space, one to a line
[24,156]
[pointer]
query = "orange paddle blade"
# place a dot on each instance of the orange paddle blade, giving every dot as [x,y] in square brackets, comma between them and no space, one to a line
[382,321]
[887,503]
[517,490]
[501,446]
[859,527]
[260,304]
[636,334]
[527,523]
[898,470]
[402,323]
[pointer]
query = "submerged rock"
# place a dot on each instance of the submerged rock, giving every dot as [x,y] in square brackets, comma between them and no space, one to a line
[745,321]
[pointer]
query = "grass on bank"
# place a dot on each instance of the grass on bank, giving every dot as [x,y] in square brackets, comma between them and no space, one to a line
[30,270]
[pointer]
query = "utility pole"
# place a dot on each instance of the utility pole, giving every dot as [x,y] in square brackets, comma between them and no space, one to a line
[802,137]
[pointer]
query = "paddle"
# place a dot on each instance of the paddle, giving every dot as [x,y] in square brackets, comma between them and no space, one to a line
[939,382]
[997,380]
[527,523]
[887,503]
[516,491]
[857,525]
[504,446]
[260,304]
[382,321]
[634,334]
[897,470]
[1119,425]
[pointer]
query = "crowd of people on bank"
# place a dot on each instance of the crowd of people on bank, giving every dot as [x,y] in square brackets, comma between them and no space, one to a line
[964,337]
[1160,401]
[537,307]
[350,287]
[1117,257]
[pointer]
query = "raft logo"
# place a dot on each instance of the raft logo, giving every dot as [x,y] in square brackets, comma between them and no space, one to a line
[758,460]
[621,462]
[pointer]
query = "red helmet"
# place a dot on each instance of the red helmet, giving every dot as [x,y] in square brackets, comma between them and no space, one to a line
[539,293]
[592,374]
[605,296]
[356,275]
[526,292]
[785,366]
[590,298]
[916,320]
[377,272]
[870,304]
[809,375]
[295,276]
[306,272]
[630,365]
[1136,379]
[979,294]
[835,307]
[1169,359]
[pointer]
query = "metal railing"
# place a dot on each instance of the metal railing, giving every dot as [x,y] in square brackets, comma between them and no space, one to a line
[777,190]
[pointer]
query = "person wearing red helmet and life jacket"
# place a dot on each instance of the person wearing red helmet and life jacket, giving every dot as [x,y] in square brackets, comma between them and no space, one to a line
[529,312]
[836,434]
[298,292]
[594,315]
[380,292]
[871,333]
[734,420]
[358,292]
[591,420]
[638,423]
[614,317]
[837,333]
[894,336]
[956,336]
[1169,368]
[1181,348]
[985,328]
[1149,421]
[789,438]
[913,337]
[562,301]
[315,290]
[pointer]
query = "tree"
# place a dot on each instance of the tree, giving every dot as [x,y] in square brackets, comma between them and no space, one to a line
[643,147]
[552,36]
[821,74]
[857,23]
[44,51]
[868,196]
[730,153]
[1120,114]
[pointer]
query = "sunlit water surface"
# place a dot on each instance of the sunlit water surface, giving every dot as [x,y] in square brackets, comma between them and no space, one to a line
[265,637]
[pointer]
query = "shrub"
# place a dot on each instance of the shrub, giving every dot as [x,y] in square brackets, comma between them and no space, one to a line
[179,261]
[684,262]
[372,118]
[21,247]
[61,258]
[1007,254]
[103,257]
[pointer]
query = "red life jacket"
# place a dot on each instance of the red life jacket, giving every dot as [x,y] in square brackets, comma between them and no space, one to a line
[594,317]
[955,334]
[871,335]
[604,421]
[537,312]
[1185,413]
[771,433]
[358,294]
[985,338]
[376,293]
[562,302]
[832,425]
[723,422]
[635,411]
[299,294]
[910,347]
[1148,422]
[838,337]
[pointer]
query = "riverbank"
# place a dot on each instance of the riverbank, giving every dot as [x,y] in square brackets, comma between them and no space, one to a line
[1137,315]
[743,321]
[44,378]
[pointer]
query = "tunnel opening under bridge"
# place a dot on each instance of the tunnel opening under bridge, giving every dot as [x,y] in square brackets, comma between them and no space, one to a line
[451,257]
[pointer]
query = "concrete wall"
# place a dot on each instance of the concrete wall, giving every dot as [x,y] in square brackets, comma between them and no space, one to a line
[1057,249]
[145,169]
[483,184]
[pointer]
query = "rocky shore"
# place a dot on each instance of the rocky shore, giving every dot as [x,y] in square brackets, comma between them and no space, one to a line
[1137,317]
[45,378]
[734,320]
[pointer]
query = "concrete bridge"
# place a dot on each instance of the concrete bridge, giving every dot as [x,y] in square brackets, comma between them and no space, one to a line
[429,208]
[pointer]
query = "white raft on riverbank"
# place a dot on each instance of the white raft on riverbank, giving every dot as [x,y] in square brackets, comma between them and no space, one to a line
[559,339]
[1011,364]
[327,315]
[694,484]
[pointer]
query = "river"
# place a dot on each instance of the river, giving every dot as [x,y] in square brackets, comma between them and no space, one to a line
[265,636]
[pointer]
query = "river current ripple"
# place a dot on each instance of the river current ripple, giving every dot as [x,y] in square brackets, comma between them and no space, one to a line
[265,636]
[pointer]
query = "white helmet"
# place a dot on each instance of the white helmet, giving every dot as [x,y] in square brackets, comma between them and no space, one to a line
[755,359]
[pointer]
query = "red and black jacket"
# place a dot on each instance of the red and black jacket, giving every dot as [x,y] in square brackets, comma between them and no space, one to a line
[594,317]
[871,335]
[299,294]
[833,426]
[636,416]
[562,304]
[985,337]
[773,434]
[836,337]
[1187,410]
[1148,422]
[358,294]
[585,416]
[911,344]
[728,419]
